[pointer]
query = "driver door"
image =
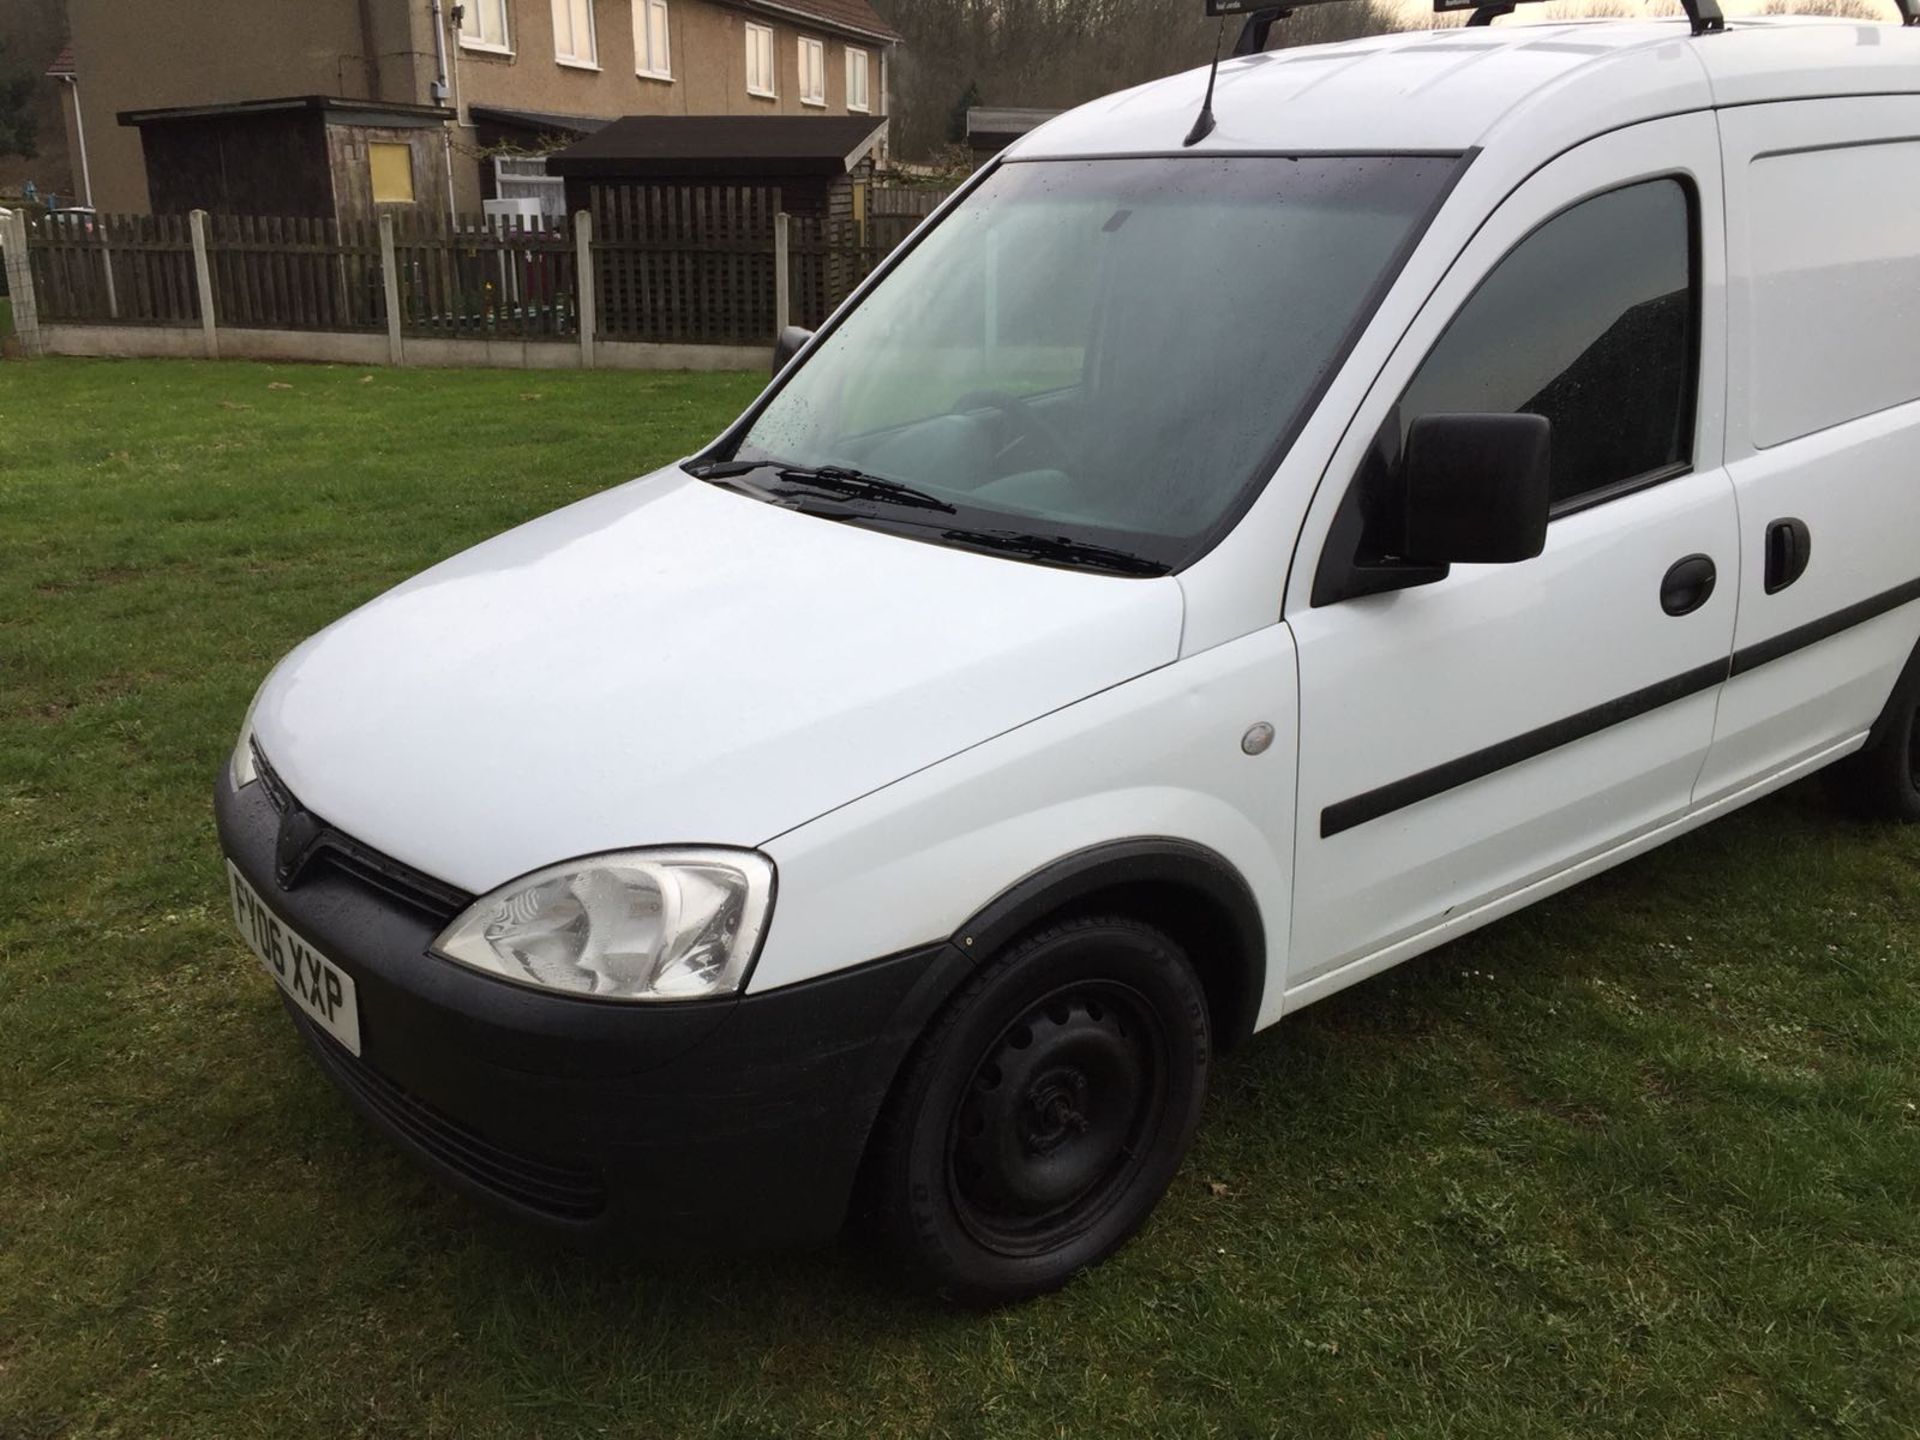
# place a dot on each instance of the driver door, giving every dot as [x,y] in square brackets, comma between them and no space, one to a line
[1466,744]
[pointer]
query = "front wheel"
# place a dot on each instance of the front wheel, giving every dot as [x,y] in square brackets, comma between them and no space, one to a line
[1046,1110]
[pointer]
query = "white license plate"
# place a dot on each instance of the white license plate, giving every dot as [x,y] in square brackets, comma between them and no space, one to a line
[322,990]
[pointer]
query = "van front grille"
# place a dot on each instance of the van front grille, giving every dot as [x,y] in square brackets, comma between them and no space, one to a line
[324,845]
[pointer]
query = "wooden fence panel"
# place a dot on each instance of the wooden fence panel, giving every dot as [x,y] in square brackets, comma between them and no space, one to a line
[688,264]
[483,278]
[113,269]
[673,264]
[831,257]
[909,202]
[278,273]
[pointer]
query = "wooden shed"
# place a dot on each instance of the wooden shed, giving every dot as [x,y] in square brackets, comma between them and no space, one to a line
[815,162]
[310,156]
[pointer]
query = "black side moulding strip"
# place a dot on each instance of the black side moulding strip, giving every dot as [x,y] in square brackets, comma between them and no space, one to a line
[1345,815]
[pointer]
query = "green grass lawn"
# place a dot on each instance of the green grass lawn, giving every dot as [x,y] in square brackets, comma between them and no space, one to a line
[1643,1161]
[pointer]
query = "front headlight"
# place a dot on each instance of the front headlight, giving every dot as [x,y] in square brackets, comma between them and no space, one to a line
[636,925]
[242,768]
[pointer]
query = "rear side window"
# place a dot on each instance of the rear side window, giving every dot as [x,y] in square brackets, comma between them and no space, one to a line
[1835,238]
[1591,322]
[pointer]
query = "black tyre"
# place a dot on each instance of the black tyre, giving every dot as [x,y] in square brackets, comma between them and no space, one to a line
[1045,1111]
[1883,780]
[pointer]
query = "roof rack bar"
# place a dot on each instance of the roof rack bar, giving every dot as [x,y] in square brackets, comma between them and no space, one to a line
[1262,15]
[1253,34]
[1704,15]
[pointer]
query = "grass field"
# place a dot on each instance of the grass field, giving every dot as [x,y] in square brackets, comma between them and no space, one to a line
[1643,1161]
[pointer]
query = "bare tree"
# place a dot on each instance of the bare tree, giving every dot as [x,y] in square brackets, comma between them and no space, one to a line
[1839,9]
[1596,10]
[1052,54]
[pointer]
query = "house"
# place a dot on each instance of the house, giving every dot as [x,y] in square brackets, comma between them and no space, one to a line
[347,107]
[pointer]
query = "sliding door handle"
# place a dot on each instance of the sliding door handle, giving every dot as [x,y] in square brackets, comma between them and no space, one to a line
[1688,585]
[1789,547]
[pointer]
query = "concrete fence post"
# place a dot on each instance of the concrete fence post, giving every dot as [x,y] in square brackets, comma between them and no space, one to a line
[588,306]
[782,273]
[203,279]
[26,307]
[390,283]
[106,269]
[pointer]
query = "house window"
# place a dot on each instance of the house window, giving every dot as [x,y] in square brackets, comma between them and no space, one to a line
[525,177]
[392,169]
[760,61]
[652,51]
[1589,322]
[813,72]
[857,80]
[573,42]
[483,25]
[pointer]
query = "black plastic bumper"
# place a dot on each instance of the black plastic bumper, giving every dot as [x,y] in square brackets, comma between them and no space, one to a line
[709,1124]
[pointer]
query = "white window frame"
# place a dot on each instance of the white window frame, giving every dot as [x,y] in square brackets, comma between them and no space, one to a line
[563,9]
[525,177]
[760,42]
[859,64]
[819,49]
[476,38]
[646,64]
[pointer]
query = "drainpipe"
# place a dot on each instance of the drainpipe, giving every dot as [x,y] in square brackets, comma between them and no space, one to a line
[80,135]
[370,43]
[439,91]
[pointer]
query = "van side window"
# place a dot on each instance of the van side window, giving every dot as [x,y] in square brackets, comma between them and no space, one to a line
[1836,264]
[1591,322]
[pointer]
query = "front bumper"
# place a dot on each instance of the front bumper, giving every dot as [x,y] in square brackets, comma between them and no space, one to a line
[737,1122]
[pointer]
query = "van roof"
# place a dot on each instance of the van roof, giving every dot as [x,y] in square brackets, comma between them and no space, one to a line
[1453,89]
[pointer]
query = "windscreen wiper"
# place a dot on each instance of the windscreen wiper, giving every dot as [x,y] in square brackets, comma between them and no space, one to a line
[728,469]
[857,484]
[1058,550]
[827,479]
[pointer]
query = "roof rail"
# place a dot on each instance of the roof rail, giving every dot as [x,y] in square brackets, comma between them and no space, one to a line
[1704,15]
[1263,15]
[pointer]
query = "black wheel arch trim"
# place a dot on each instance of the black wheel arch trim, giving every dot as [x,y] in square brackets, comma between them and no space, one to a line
[1235,982]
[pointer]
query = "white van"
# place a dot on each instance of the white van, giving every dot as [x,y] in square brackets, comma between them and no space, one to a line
[1188,579]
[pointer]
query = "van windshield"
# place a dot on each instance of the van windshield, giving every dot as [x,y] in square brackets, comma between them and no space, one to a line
[1101,354]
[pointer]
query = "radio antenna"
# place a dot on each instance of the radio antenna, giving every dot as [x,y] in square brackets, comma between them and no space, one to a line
[1203,122]
[1261,17]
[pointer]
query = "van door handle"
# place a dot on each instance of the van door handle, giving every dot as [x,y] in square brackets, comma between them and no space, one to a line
[1789,547]
[1688,585]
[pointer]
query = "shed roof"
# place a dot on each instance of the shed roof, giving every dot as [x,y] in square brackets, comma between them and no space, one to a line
[363,112]
[663,145]
[545,122]
[62,66]
[1004,122]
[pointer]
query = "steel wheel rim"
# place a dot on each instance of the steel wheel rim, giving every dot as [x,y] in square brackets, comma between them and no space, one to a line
[1057,1118]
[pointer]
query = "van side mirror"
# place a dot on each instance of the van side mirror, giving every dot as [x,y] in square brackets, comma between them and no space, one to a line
[788,346]
[1477,488]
